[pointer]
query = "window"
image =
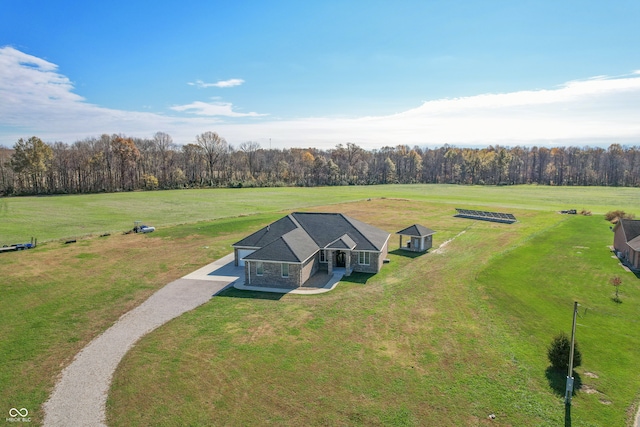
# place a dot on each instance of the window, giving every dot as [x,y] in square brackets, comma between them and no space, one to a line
[323,256]
[259,269]
[285,270]
[364,258]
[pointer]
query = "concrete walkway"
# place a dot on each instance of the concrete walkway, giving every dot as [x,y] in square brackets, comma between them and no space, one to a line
[80,396]
[331,284]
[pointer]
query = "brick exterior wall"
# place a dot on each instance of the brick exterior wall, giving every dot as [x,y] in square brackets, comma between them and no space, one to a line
[300,273]
[376,260]
[310,268]
[272,274]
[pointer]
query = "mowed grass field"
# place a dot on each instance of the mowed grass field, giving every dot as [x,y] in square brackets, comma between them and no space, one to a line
[61,217]
[441,339]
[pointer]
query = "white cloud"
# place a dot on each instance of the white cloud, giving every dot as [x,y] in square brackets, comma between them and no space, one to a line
[36,99]
[594,111]
[27,80]
[213,109]
[222,83]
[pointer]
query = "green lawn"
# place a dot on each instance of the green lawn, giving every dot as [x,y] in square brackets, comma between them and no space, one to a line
[441,339]
[57,217]
[533,288]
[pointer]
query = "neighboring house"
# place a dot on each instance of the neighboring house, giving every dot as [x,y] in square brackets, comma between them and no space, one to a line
[626,242]
[419,238]
[286,253]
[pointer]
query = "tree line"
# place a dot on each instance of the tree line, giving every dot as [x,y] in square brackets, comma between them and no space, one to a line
[119,163]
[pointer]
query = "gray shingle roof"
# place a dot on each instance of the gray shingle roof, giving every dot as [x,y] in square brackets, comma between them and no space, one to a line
[416,230]
[343,242]
[268,234]
[299,235]
[295,246]
[324,228]
[631,228]
[634,244]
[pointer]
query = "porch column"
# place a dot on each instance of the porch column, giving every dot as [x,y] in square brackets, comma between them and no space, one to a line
[347,263]
[401,241]
[329,255]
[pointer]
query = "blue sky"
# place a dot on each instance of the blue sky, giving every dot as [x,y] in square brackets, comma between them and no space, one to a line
[320,73]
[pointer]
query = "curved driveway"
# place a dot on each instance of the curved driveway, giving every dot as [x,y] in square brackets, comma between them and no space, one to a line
[80,396]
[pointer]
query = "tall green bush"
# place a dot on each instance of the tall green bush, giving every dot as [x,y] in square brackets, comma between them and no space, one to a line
[559,350]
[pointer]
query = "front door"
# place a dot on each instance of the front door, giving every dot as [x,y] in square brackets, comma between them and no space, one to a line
[340,259]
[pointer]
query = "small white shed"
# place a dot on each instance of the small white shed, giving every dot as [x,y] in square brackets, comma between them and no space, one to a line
[419,238]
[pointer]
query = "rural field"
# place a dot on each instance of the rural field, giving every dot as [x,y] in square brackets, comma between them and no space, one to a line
[441,339]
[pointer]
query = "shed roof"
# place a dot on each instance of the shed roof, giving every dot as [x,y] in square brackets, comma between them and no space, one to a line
[416,230]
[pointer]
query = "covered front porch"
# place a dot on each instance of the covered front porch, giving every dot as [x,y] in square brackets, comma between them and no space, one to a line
[338,254]
[339,261]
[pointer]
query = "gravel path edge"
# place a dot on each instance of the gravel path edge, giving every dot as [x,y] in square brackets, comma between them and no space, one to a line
[80,394]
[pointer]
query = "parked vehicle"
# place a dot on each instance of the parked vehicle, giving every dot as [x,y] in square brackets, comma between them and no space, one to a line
[145,229]
[18,247]
[141,228]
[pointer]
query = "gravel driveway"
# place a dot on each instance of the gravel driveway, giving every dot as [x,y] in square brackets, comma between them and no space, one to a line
[80,395]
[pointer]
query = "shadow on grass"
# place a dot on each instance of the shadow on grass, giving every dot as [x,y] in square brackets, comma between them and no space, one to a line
[232,292]
[407,254]
[616,300]
[558,381]
[567,415]
[358,278]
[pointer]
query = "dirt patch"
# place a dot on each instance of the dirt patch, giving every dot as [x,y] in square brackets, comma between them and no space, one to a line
[590,375]
[588,389]
[442,247]
[258,332]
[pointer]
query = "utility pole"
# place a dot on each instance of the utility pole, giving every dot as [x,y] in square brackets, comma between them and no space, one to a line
[569,390]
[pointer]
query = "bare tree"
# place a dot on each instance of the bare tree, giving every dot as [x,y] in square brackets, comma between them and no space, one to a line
[214,147]
[127,152]
[164,146]
[250,148]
